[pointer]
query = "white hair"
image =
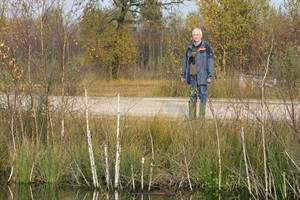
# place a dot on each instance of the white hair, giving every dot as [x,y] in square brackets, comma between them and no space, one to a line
[196,29]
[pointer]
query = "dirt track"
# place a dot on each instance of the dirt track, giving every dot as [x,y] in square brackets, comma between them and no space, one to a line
[178,107]
[171,107]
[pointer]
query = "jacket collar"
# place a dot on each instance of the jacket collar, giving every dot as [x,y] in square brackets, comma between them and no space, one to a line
[202,44]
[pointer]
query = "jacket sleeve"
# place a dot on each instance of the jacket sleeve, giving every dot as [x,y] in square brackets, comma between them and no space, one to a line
[210,62]
[184,67]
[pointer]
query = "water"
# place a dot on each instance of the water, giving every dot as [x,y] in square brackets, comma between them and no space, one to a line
[55,192]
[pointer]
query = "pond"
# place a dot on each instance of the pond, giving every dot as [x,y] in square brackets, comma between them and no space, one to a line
[59,192]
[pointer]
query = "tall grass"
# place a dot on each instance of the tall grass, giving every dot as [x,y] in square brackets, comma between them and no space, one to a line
[24,162]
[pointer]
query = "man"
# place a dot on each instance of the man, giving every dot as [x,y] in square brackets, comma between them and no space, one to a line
[198,71]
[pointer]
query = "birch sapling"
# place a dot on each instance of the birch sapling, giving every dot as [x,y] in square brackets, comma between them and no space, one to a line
[90,147]
[118,149]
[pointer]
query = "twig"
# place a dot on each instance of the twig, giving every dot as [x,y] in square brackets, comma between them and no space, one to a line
[246,163]
[106,166]
[142,174]
[187,168]
[219,145]
[132,177]
[263,118]
[90,147]
[87,183]
[152,159]
[118,149]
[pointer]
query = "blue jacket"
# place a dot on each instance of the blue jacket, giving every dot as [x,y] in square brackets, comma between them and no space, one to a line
[204,63]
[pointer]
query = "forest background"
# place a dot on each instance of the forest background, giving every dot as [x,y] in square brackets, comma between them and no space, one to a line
[132,48]
[60,43]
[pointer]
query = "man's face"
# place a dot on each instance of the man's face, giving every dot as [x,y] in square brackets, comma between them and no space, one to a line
[197,36]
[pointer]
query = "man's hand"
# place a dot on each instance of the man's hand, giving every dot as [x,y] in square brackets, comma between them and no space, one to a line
[182,79]
[209,80]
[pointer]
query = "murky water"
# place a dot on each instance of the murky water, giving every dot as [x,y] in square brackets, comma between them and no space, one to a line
[54,192]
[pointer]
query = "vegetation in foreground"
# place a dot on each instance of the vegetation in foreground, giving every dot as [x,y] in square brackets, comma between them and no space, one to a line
[178,155]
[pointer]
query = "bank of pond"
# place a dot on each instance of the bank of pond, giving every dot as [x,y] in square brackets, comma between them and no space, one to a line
[65,192]
[158,158]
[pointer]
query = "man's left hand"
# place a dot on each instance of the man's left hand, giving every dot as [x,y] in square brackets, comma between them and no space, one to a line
[209,80]
[182,79]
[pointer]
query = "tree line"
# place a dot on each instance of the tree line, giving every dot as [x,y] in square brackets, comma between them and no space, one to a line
[53,37]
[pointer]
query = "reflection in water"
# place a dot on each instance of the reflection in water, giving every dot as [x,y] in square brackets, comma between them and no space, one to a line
[95,194]
[11,194]
[59,192]
[116,195]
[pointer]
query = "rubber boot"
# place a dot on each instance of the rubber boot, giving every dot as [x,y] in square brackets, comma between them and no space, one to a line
[202,108]
[192,110]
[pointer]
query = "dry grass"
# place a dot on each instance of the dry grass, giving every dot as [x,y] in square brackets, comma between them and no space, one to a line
[138,88]
[221,88]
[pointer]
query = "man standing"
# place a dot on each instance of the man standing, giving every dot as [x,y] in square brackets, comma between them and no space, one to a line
[198,71]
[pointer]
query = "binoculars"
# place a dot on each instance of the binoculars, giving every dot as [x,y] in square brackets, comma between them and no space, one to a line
[192,60]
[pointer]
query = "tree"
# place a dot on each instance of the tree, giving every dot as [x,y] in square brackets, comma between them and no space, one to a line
[125,9]
[38,35]
[285,61]
[293,16]
[106,46]
[149,34]
[231,26]
[146,17]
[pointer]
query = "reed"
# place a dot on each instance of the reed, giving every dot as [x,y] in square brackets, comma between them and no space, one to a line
[54,165]
[25,160]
